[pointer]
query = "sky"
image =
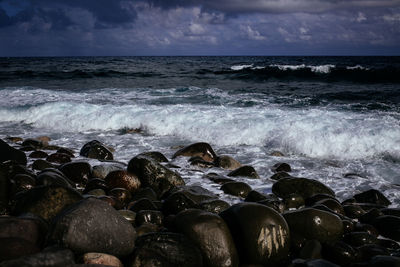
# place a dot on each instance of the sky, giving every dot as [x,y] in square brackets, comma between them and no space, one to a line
[203,27]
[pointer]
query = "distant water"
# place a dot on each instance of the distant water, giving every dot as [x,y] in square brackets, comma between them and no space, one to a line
[330,116]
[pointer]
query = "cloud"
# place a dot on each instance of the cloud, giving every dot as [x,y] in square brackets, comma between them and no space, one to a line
[252,34]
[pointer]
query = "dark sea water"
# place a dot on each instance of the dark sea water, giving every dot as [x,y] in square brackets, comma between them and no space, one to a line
[330,116]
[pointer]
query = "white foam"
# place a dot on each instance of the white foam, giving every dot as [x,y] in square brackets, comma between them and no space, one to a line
[317,69]
[241,67]
[322,68]
[288,67]
[356,67]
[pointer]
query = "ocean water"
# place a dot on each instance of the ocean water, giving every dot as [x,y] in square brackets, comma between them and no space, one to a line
[336,119]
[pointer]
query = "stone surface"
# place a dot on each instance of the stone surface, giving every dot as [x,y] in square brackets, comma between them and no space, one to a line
[372,196]
[301,186]
[101,258]
[92,225]
[244,171]
[124,179]
[202,150]
[281,167]
[227,162]
[78,171]
[239,189]
[96,150]
[388,226]
[101,171]
[9,153]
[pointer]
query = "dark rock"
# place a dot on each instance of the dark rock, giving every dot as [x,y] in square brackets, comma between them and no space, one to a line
[386,261]
[311,250]
[227,162]
[66,151]
[101,259]
[309,223]
[149,216]
[21,182]
[340,253]
[353,211]
[199,162]
[261,234]
[41,164]
[165,249]
[280,175]
[195,192]
[142,204]
[317,197]
[92,225]
[391,211]
[218,179]
[124,179]
[110,200]
[29,229]
[255,196]
[239,189]
[96,192]
[14,139]
[333,205]
[9,153]
[302,186]
[38,155]
[370,250]
[53,177]
[154,155]
[389,244]
[372,196]
[210,233]
[101,171]
[273,202]
[154,175]
[281,167]
[178,202]
[95,183]
[49,257]
[46,201]
[361,227]
[320,263]
[293,201]
[147,228]
[121,195]
[96,150]
[145,192]
[277,154]
[129,215]
[357,239]
[59,158]
[348,226]
[78,171]
[15,247]
[244,171]
[214,205]
[388,226]
[202,150]
[35,143]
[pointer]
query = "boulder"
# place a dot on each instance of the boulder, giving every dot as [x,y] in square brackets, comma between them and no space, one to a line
[149,216]
[29,229]
[227,162]
[101,258]
[124,179]
[239,189]
[261,234]
[92,225]
[372,196]
[202,150]
[58,158]
[178,202]
[340,253]
[9,153]
[96,150]
[41,164]
[301,186]
[244,171]
[388,226]
[38,155]
[154,155]
[101,171]
[214,205]
[281,167]
[15,247]
[78,171]
[210,233]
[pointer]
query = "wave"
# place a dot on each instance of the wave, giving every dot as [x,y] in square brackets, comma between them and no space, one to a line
[320,133]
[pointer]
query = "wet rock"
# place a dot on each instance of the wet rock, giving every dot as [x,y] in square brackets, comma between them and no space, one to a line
[280,175]
[348,226]
[165,249]
[340,253]
[101,258]
[357,239]
[310,223]
[332,204]
[124,179]
[66,151]
[210,233]
[389,244]
[372,196]
[277,154]
[255,196]
[147,228]
[15,247]
[301,186]
[142,204]
[273,202]
[101,171]
[366,252]
[96,150]
[9,153]
[49,257]
[149,216]
[78,171]
[96,192]
[361,227]
[29,229]
[154,155]
[35,143]
[317,197]
[239,189]
[353,211]
[293,201]
[195,192]
[38,155]
[154,175]
[214,205]
[281,167]
[244,171]
[311,250]
[218,179]
[110,200]
[145,192]
[96,183]
[129,215]
[199,162]
[53,177]
[391,211]
[21,182]
[387,261]
[41,164]
[202,150]
[14,139]
[178,202]
[228,163]
[46,201]
[122,197]
[59,158]
[92,225]
[388,226]
[261,234]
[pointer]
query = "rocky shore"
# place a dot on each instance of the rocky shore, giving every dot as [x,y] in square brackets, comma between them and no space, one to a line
[59,209]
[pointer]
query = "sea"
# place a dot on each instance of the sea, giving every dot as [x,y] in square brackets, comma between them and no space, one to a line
[335,119]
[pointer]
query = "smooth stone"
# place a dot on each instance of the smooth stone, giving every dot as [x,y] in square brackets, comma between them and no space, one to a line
[21,182]
[255,196]
[46,201]
[154,175]
[202,150]
[281,167]
[66,151]
[101,258]
[38,155]
[348,226]
[142,204]
[96,192]
[149,216]
[239,189]
[227,163]
[353,211]
[317,197]
[333,205]
[58,158]
[101,171]
[276,154]
[214,205]
[92,225]
[362,227]
[320,263]
[244,171]
[388,226]
[210,233]
[78,171]
[165,249]
[124,179]
[41,164]
[96,183]
[201,163]
[9,153]
[35,143]
[15,247]
[14,139]
[178,202]
[261,234]
[368,251]
[386,261]
[53,177]
[293,201]
[302,186]
[147,228]
[279,175]
[196,193]
[340,253]
[96,150]
[391,211]
[357,239]
[273,202]
[389,244]
[29,229]
[110,200]
[311,250]
[309,223]
[372,196]
[129,215]
[145,192]
[218,179]
[155,155]
[121,195]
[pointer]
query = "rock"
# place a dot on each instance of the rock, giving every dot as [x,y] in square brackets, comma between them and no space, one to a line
[9,153]
[147,228]
[15,247]
[273,202]
[21,182]
[124,179]
[202,150]
[218,179]
[280,175]
[36,143]
[238,189]
[281,167]
[391,211]
[353,211]
[154,175]
[78,171]
[311,250]
[210,233]
[309,223]
[96,192]
[149,216]
[366,252]
[129,215]
[145,192]
[228,163]
[318,197]
[178,202]
[196,193]
[96,150]
[59,158]
[340,253]
[388,226]
[293,201]
[53,177]
[122,197]
[154,155]
[101,171]
[389,244]
[348,226]
[46,201]
[361,227]
[277,154]
[245,171]
[95,183]
[357,239]
[92,225]
[101,258]
[38,155]
[372,196]
[66,151]
[332,204]
[41,164]
[14,139]
[387,261]
[255,196]
[28,229]
[214,205]
[49,257]
[301,186]
[165,249]
[261,234]
[142,204]
[199,162]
